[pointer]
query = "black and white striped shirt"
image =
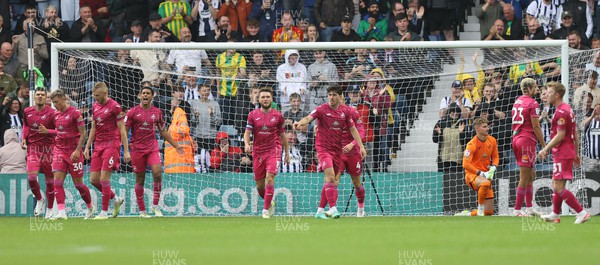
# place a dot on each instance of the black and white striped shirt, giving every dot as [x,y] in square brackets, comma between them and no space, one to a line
[546,14]
[202,161]
[592,139]
[295,164]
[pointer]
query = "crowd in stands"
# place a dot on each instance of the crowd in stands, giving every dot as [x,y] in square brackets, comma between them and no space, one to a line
[216,90]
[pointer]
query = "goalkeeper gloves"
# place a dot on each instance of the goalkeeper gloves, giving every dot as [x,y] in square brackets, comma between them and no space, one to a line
[489,174]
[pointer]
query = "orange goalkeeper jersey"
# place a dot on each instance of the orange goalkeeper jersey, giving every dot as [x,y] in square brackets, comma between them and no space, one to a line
[479,155]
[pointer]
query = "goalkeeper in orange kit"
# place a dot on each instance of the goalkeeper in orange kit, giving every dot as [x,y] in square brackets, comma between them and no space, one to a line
[480,160]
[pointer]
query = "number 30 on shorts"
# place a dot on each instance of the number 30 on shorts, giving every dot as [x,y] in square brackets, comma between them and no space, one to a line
[556,168]
[77,166]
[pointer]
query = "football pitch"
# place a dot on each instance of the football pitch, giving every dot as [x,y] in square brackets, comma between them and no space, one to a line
[299,240]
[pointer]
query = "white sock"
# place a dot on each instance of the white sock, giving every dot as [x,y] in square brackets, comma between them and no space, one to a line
[103,212]
[480,208]
[320,210]
[62,212]
[155,206]
[332,209]
[265,211]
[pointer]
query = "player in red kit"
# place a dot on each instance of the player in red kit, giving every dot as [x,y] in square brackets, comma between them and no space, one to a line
[70,137]
[526,134]
[266,126]
[143,120]
[333,118]
[564,144]
[108,133]
[39,150]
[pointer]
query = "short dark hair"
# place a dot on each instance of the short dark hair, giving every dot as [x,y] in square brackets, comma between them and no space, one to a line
[147,87]
[266,89]
[295,96]
[335,88]
[401,16]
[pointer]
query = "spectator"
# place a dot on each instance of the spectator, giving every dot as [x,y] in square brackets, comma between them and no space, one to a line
[546,12]
[253,32]
[535,30]
[30,13]
[292,77]
[547,111]
[136,32]
[450,134]
[53,29]
[373,25]
[207,113]
[595,64]
[69,10]
[224,31]
[22,94]
[241,114]
[238,12]
[5,13]
[415,14]
[457,97]
[99,9]
[39,47]
[528,69]
[581,14]
[590,87]
[151,61]
[86,28]
[205,12]
[329,14]
[517,7]
[488,13]
[591,127]
[117,11]
[364,111]
[120,77]
[312,34]
[11,117]
[490,100]
[574,39]
[471,88]
[513,23]
[595,43]
[402,33]
[322,74]
[496,32]
[364,8]
[188,59]
[227,158]
[192,90]
[175,15]
[296,113]
[266,72]
[296,164]
[166,35]
[180,132]
[7,82]
[567,26]
[397,8]
[233,67]
[440,19]
[5,34]
[267,12]
[360,66]
[12,156]
[375,93]
[345,33]
[287,32]
[70,80]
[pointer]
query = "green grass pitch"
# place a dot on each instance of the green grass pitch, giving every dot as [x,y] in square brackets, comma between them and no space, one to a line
[299,240]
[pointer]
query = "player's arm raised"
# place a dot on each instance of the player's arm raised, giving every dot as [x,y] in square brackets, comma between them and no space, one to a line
[92,136]
[82,135]
[124,140]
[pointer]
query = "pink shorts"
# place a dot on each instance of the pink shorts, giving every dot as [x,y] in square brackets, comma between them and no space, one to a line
[105,159]
[62,162]
[525,151]
[562,169]
[266,164]
[352,163]
[327,160]
[141,159]
[39,162]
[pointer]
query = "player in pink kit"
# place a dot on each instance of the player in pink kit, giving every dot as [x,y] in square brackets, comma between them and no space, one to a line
[70,137]
[108,133]
[143,120]
[266,125]
[351,163]
[565,152]
[39,150]
[332,118]
[526,133]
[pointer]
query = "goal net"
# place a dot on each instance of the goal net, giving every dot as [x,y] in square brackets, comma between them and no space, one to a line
[414,136]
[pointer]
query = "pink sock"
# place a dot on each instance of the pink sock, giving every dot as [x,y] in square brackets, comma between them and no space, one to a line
[556,202]
[59,193]
[529,196]
[106,192]
[139,195]
[269,192]
[34,186]
[50,192]
[84,191]
[323,201]
[157,188]
[360,196]
[520,196]
[331,193]
[570,199]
